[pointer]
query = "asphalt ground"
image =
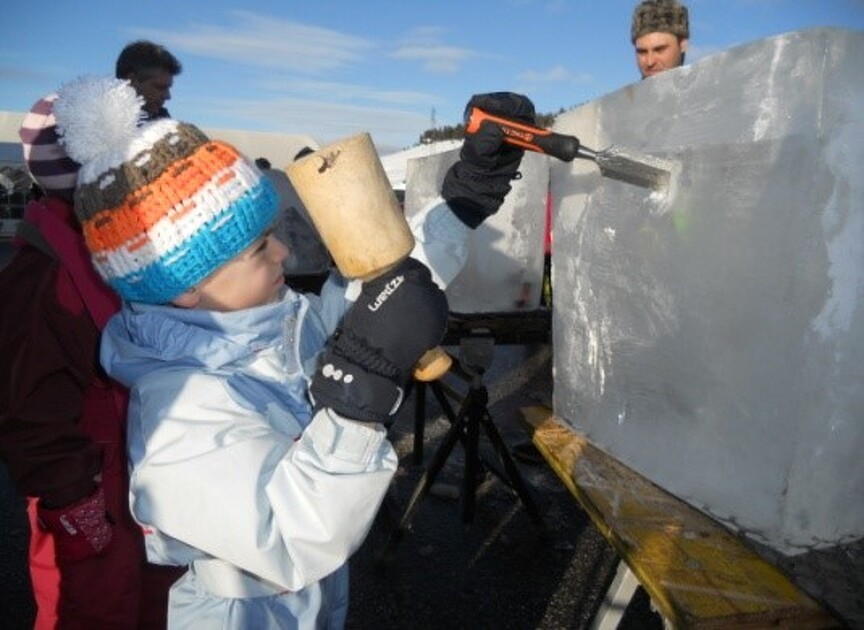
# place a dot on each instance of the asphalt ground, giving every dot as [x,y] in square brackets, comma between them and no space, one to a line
[499,567]
[16,602]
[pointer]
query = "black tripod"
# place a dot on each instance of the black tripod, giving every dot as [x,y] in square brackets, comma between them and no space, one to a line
[473,414]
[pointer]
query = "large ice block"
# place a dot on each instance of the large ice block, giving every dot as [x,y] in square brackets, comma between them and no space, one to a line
[505,257]
[712,336]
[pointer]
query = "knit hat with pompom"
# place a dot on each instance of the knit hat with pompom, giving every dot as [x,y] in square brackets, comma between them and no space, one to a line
[161,205]
[47,162]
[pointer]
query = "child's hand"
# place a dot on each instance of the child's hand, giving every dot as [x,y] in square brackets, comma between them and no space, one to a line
[81,530]
[368,362]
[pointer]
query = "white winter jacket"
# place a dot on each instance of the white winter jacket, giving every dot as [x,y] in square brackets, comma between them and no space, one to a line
[230,472]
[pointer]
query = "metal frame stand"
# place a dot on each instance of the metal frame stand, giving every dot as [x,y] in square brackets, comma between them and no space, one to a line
[466,424]
[616,600]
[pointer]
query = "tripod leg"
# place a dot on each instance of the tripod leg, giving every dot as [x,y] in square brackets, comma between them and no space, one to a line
[438,391]
[515,477]
[464,408]
[419,421]
[474,403]
[422,487]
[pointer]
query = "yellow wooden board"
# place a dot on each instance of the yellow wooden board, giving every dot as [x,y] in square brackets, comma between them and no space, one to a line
[697,572]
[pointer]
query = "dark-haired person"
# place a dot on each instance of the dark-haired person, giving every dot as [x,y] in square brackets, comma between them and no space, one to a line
[151,69]
[63,420]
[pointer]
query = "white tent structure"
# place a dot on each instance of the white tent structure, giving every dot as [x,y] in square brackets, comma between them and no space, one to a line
[279,148]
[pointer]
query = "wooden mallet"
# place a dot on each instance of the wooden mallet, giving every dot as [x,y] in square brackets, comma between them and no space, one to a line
[352,204]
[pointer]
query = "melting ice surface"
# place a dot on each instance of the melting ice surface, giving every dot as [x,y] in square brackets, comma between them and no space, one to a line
[711,335]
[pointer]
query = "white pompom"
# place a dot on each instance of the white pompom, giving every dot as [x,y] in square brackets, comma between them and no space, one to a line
[97,116]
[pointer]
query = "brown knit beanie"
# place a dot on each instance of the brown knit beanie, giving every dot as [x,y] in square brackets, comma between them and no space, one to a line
[660,16]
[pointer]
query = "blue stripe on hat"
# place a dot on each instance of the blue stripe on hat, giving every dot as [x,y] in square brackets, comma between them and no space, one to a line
[218,241]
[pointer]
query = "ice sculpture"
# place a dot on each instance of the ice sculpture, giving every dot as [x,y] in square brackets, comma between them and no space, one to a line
[712,337]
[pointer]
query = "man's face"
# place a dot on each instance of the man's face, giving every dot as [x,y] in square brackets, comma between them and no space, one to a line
[154,87]
[658,52]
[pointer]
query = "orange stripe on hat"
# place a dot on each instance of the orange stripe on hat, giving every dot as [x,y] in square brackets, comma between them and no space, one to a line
[170,194]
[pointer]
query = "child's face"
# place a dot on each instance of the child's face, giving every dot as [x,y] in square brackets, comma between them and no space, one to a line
[252,278]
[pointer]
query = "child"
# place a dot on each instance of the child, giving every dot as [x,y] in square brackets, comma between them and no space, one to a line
[62,420]
[258,453]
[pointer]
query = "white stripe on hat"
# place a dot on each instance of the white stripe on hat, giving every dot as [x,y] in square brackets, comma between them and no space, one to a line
[176,228]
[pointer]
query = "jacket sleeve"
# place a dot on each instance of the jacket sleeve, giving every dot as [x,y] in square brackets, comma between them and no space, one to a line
[48,357]
[287,507]
[441,241]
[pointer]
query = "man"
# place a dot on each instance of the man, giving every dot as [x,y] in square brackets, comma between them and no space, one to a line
[660,34]
[151,69]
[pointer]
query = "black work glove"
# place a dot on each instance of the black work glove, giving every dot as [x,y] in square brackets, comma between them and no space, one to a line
[367,363]
[476,185]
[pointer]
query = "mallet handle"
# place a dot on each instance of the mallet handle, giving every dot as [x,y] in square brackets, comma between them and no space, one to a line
[432,365]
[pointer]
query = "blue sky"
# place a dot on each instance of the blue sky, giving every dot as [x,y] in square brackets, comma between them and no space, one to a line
[332,69]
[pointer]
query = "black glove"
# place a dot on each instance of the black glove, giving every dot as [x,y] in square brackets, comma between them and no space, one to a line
[367,363]
[476,185]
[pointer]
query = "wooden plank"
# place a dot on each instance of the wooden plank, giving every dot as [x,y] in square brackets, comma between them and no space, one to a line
[697,572]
